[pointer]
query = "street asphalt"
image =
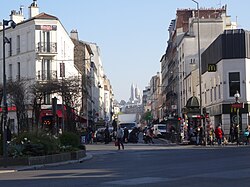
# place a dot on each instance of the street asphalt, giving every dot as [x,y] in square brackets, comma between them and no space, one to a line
[97,148]
[91,149]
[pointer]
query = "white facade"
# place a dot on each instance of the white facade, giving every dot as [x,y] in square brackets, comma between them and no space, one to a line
[38,46]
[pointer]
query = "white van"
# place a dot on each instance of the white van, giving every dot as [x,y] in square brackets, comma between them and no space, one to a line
[159,130]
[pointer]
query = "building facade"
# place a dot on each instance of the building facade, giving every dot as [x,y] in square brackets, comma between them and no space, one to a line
[41,50]
[180,63]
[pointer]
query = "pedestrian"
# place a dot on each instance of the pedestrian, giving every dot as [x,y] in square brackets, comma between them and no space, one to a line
[246,135]
[119,137]
[210,135]
[232,138]
[150,135]
[199,135]
[237,133]
[219,134]
[106,135]
[126,133]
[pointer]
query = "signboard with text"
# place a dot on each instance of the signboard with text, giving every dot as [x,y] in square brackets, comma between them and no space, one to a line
[211,68]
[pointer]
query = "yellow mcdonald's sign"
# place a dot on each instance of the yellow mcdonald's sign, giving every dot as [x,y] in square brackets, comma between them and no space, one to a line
[212,68]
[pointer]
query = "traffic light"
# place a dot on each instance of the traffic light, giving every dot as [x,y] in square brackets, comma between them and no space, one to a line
[204,110]
[207,115]
[54,105]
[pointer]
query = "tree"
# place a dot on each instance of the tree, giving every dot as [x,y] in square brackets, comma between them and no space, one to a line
[18,92]
[70,89]
[147,116]
[40,90]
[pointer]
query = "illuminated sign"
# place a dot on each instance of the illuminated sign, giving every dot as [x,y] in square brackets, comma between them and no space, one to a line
[62,70]
[211,68]
[46,27]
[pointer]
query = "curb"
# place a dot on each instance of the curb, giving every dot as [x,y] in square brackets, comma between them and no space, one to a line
[34,167]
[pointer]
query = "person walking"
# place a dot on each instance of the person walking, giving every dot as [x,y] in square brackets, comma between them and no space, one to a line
[232,138]
[237,133]
[126,133]
[210,135]
[218,134]
[246,135]
[106,135]
[199,135]
[119,137]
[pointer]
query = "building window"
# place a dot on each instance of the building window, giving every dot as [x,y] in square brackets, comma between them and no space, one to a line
[219,92]
[234,83]
[18,71]
[46,69]
[215,96]
[10,47]
[10,71]
[205,97]
[211,94]
[18,44]
[47,99]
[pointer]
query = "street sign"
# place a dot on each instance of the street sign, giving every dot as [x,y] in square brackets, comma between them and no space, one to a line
[237,105]
[236,119]
[211,68]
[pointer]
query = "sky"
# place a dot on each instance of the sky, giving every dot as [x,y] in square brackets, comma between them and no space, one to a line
[131,34]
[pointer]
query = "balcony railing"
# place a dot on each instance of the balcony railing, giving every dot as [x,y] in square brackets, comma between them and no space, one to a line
[46,47]
[46,75]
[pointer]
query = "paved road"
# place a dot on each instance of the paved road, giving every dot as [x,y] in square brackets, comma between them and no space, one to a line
[145,165]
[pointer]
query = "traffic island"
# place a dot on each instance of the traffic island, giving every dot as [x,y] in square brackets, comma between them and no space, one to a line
[42,160]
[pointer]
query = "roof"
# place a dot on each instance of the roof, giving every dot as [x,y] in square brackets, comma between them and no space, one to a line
[44,16]
[192,102]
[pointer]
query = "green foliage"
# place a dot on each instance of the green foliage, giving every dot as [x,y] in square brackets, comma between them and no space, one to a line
[33,145]
[30,144]
[69,141]
[147,116]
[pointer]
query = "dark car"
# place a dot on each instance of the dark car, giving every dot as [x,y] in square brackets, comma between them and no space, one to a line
[99,135]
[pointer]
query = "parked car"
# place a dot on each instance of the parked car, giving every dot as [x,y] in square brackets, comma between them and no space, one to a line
[159,130]
[99,135]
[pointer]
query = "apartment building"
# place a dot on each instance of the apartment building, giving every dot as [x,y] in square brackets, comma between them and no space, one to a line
[180,63]
[41,50]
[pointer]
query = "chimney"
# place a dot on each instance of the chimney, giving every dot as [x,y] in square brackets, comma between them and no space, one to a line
[34,9]
[17,16]
[74,34]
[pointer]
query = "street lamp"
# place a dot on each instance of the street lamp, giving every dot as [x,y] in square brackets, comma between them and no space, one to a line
[5,107]
[237,96]
[199,61]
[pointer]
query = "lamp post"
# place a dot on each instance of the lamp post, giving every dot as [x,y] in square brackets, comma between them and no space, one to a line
[237,96]
[199,61]
[5,107]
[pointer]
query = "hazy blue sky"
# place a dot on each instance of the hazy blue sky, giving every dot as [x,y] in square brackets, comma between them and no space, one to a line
[132,34]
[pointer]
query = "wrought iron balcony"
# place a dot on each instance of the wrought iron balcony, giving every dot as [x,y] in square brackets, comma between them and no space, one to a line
[46,75]
[46,47]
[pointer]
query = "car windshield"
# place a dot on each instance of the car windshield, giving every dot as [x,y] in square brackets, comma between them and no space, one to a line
[127,125]
[162,127]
